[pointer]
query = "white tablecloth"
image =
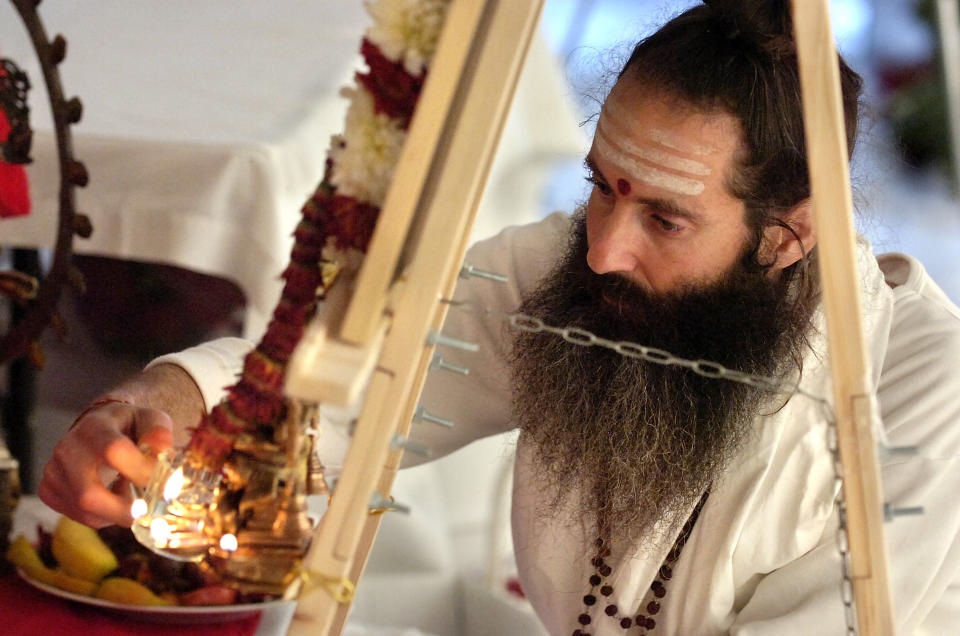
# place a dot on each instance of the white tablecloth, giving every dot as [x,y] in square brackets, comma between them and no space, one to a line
[206,125]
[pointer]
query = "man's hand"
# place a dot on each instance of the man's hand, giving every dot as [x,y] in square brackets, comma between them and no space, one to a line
[153,409]
[102,443]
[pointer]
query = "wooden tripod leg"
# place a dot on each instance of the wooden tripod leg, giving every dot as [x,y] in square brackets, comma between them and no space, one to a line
[853,395]
[372,524]
[428,257]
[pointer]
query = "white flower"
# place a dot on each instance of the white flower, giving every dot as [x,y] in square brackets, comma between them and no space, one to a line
[407,31]
[365,155]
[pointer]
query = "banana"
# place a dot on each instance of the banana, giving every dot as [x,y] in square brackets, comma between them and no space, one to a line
[80,551]
[24,556]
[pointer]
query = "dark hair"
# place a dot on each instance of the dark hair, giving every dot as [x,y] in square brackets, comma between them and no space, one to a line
[739,56]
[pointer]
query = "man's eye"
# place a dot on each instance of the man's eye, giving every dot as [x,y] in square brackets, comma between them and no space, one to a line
[604,189]
[666,225]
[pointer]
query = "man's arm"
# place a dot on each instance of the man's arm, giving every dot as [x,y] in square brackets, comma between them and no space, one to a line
[170,389]
[157,408]
[176,390]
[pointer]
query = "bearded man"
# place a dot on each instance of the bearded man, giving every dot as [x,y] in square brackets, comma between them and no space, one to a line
[647,496]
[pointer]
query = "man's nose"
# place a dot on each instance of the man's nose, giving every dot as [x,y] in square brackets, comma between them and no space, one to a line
[614,244]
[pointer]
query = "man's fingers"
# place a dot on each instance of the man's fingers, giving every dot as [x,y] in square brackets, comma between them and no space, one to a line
[103,439]
[110,446]
[153,428]
[103,508]
[88,502]
[116,442]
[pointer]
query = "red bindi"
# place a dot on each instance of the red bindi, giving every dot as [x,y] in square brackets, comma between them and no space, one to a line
[623,187]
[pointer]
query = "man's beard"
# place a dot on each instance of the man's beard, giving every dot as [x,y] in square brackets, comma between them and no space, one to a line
[641,441]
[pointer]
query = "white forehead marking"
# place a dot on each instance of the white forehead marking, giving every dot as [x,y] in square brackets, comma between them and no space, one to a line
[651,154]
[646,173]
[664,138]
[658,135]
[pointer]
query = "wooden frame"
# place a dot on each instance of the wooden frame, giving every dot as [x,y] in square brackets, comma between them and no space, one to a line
[421,236]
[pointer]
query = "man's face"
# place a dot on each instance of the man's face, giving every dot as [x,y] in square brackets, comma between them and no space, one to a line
[639,442]
[660,213]
[658,258]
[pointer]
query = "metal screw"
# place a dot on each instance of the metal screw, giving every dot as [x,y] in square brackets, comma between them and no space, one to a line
[468,271]
[439,363]
[889,511]
[398,441]
[423,415]
[891,452]
[438,339]
[379,504]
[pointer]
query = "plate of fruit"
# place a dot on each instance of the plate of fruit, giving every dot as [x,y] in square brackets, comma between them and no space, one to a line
[108,568]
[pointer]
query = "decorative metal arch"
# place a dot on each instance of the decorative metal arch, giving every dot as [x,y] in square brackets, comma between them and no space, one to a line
[39,310]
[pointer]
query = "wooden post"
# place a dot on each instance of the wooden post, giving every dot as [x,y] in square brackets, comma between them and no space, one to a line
[853,393]
[414,259]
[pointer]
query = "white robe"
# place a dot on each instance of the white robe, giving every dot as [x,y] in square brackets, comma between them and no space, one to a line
[763,557]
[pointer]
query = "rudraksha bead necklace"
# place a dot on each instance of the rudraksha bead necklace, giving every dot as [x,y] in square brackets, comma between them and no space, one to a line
[601,591]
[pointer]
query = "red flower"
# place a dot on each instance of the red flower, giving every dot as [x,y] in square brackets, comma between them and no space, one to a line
[349,221]
[280,340]
[291,313]
[394,90]
[254,405]
[263,371]
[302,282]
[210,445]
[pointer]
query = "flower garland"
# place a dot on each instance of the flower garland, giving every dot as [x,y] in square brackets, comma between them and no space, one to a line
[337,220]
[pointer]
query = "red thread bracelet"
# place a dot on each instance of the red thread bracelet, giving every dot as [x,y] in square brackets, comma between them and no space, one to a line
[97,404]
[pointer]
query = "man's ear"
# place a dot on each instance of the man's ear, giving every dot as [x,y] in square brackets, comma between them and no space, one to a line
[785,247]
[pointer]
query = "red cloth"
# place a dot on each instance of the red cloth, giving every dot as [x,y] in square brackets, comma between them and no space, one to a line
[26,611]
[14,191]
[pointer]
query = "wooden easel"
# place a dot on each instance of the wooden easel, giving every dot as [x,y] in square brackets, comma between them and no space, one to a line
[412,264]
[416,253]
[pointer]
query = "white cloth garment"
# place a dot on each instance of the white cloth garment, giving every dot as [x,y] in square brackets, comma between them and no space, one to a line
[763,557]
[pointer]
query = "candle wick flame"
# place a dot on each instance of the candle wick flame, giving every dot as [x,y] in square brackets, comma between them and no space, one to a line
[228,542]
[174,485]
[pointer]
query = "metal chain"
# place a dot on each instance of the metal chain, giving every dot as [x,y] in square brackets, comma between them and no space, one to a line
[843,545]
[707,369]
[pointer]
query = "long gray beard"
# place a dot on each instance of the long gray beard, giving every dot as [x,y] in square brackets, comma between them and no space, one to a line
[640,441]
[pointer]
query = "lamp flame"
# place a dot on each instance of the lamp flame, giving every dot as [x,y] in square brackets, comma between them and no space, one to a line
[160,531]
[138,508]
[228,542]
[174,485]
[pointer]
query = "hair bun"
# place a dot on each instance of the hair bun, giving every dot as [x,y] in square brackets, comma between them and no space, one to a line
[757,18]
